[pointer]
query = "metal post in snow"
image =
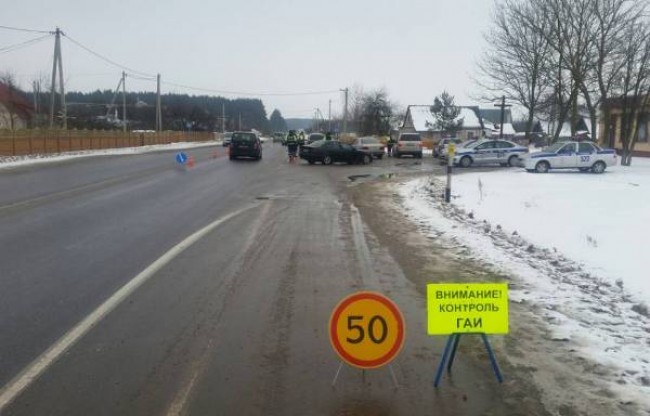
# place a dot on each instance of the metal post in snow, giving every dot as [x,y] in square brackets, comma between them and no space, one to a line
[451,150]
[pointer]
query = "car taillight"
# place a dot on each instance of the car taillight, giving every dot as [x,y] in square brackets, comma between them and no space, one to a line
[365,148]
[399,144]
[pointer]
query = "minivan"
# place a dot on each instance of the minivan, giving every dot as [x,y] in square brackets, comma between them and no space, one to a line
[245,144]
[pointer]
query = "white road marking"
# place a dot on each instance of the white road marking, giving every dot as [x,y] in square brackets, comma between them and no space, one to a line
[37,367]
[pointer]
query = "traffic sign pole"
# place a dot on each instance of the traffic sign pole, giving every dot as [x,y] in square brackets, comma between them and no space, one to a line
[451,151]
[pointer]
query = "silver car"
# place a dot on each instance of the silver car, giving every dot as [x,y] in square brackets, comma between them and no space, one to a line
[370,145]
[408,144]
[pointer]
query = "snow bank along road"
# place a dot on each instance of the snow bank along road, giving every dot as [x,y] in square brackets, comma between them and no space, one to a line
[110,303]
[573,246]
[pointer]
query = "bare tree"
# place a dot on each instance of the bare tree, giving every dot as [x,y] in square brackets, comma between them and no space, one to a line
[376,112]
[516,64]
[634,85]
[8,79]
[612,18]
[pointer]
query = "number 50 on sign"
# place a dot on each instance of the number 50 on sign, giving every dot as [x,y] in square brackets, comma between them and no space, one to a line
[366,330]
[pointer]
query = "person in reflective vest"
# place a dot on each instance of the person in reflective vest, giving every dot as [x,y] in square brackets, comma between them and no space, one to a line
[292,145]
[389,146]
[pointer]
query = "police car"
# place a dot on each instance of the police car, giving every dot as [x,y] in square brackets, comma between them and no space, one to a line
[484,152]
[584,156]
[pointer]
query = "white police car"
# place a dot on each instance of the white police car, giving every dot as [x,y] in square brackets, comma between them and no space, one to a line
[484,152]
[571,155]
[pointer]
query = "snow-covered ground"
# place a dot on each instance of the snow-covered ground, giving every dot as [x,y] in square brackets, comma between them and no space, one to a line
[14,161]
[574,247]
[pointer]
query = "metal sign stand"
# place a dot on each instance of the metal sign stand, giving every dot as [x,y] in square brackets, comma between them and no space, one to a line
[363,375]
[450,353]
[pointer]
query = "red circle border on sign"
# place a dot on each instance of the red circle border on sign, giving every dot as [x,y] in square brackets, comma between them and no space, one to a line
[386,358]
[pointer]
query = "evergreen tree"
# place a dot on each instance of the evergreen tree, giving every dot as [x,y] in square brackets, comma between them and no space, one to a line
[446,113]
[277,122]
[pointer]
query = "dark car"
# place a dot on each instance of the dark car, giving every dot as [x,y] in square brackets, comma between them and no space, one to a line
[245,144]
[330,151]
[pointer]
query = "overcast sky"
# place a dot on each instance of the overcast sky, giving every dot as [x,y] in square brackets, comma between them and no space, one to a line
[413,48]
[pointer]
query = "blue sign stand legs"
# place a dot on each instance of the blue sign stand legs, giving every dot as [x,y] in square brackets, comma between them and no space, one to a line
[449,354]
[493,359]
[443,360]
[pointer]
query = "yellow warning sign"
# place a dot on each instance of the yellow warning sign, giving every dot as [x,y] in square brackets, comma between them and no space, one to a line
[451,149]
[454,308]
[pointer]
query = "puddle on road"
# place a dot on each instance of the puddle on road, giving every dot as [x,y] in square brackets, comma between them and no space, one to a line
[387,175]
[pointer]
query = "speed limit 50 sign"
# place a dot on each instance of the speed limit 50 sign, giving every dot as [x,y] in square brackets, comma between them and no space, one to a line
[366,330]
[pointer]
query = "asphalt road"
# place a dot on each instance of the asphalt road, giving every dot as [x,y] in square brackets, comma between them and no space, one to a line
[235,323]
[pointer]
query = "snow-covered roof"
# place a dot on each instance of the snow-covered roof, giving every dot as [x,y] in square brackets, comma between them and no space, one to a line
[424,120]
[470,119]
[422,117]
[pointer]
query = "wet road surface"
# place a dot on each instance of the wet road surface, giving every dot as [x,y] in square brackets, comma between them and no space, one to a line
[231,323]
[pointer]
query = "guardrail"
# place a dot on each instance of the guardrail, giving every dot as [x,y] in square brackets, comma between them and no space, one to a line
[33,141]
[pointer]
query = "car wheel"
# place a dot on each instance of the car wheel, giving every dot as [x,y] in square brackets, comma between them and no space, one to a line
[380,157]
[466,161]
[513,161]
[542,167]
[418,155]
[366,159]
[327,160]
[311,162]
[598,167]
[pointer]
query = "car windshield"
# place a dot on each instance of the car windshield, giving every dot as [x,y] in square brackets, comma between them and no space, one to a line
[316,136]
[369,140]
[555,147]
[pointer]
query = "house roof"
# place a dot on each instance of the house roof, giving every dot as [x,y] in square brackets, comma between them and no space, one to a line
[14,97]
[424,120]
[494,115]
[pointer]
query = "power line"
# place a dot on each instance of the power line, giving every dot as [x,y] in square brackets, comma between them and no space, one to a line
[105,59]
[254,94]
[24,44]
[20,29]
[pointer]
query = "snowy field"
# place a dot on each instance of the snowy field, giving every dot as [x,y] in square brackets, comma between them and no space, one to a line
[574,247]
[14,161]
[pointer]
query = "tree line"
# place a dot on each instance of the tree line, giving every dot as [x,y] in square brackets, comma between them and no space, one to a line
[557,58]
[102,109]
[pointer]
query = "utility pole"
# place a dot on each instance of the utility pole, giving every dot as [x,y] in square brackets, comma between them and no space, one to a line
[239,128]
[58,64]
[35,88]
[124,101]
[223,117]
[345,111]
[503,106]
[329,117]
[158,107]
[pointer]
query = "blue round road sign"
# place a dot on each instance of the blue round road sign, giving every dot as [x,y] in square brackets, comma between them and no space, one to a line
[181,158]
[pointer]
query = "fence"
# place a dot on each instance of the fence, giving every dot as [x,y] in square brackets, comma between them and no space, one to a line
[28,141]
